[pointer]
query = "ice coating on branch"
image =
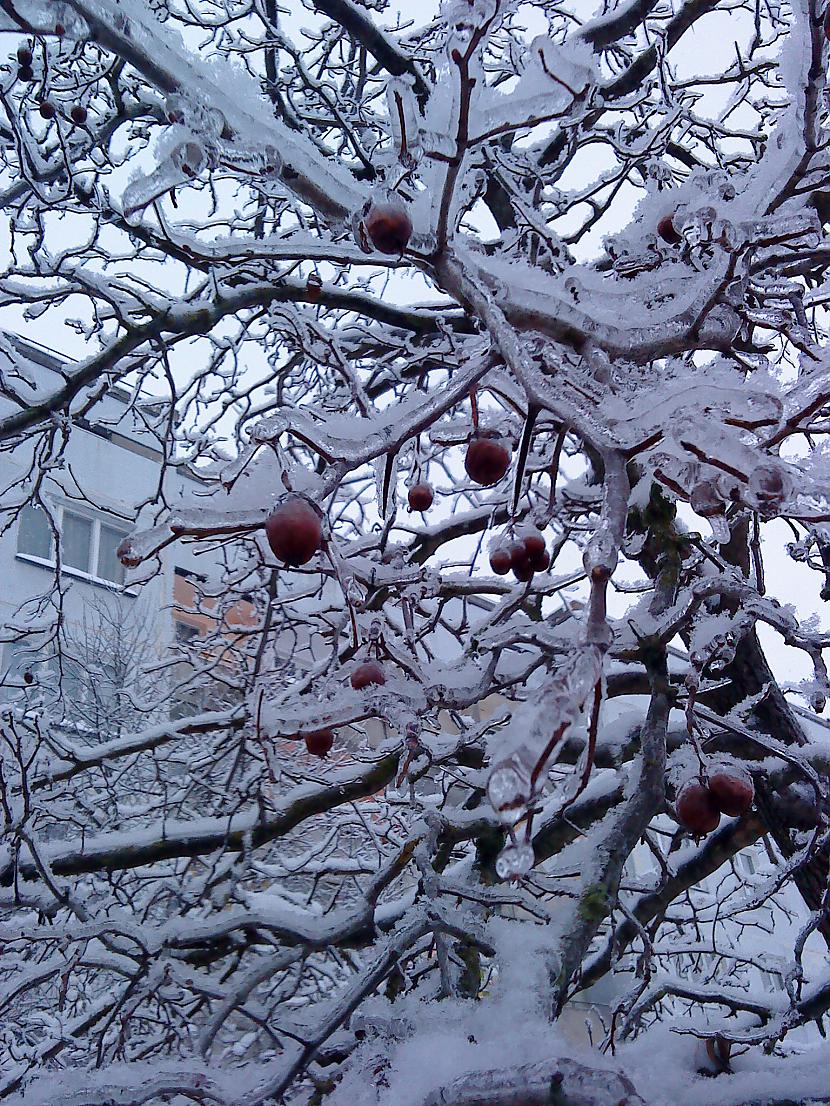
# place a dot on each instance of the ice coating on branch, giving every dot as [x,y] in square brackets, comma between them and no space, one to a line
[553,77]
[523,751]
[223,107]
[43,16]
[714,640]
[706,499]
[703,415]
[405,117]
[601,554]
[180,157]
[720,327]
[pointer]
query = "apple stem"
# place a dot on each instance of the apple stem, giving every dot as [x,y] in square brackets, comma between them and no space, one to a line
[543,759]
[474,406]
[404,152]
[590,752]
[692,684]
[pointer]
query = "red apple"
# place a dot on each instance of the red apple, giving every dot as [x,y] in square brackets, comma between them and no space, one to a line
[500,562]
[24,55]
[541,562]
[294,530]
[388,226]
[534,544]
[319,742]
[696,810]
[420,497]
[488,458]
[732,791]
[534,547]
[25,73]
[313,288]
[78,114]
[366,673]
[518,554]
[668,231]
[523,571]
[46,109]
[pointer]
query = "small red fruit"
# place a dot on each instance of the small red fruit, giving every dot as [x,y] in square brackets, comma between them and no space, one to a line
[732,791]
[668,231]
[488,458]
[420,497]
[46,109]
[78,114]
[25,73]
[523,572]
[500,561]
[369,672]
[60,30]
[24,55]
[294,531]
[28,678]
[388,226]
[696,810]
[518,554]
[541,562]
[313,287]
[319,742]
[534,543]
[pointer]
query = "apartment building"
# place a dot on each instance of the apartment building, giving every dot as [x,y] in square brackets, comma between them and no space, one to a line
[79,635]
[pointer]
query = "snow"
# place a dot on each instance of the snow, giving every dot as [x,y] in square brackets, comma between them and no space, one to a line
[201,910]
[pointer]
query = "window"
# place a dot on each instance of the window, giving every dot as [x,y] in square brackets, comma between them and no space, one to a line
[772,981]
[76,541]
[88,543]
[747,863]
[185,632]
[109,566]
[35,534]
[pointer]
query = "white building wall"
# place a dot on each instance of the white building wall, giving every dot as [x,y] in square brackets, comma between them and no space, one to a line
[111,466]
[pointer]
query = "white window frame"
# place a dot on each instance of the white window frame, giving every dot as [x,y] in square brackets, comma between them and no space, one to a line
[97,519]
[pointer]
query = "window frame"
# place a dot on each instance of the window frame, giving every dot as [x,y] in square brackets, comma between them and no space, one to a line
[97,519]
